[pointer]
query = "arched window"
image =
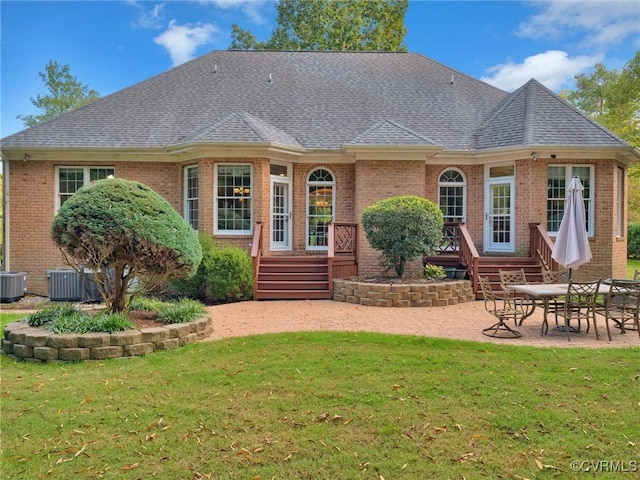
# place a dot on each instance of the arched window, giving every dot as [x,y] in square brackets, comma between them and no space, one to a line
[452,195]
[320,212]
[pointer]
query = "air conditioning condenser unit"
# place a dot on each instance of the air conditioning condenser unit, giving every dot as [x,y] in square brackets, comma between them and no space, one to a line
[12,286]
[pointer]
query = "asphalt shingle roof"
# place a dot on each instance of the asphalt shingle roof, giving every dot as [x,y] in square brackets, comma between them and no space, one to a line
[318,100]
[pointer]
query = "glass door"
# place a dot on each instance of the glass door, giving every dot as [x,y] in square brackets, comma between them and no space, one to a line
[280,209]
[499,215]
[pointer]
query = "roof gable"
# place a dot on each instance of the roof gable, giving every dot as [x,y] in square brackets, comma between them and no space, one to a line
[387,132]
[242,127]
[534,115]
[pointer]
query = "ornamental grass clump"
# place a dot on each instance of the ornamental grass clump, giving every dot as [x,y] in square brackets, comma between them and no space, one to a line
[81,322]
[183,311]
[48,315]
[180,311]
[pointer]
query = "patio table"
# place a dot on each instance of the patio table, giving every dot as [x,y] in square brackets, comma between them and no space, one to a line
[544,292]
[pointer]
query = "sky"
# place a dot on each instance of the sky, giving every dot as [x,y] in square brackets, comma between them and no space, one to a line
[110,45]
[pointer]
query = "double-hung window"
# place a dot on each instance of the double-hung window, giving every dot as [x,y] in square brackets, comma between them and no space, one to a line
[558,178]
[70,179]
[233,198]
[191,194]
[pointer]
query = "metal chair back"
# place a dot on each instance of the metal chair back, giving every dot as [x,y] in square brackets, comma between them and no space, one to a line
[622,305]
[555,276]
[580,304]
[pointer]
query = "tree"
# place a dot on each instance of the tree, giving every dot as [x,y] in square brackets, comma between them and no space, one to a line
[66,92]
[403,228]
[612,98]
[353,25]
[128,235]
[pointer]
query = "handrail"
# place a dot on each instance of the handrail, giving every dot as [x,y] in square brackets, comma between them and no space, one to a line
[331,253]
[256,254]
[541,247]
[468,255]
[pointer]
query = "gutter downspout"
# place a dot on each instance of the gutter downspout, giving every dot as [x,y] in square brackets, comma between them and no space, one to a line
[5,214]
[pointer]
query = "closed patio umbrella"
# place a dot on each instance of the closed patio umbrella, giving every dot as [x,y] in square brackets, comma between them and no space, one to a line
[572,245]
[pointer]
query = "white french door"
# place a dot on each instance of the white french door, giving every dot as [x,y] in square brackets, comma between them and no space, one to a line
[499,215]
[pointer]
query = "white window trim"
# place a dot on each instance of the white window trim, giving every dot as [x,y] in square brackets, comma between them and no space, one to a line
[568,175]
[455,184]
[185,196]
[85,178]
[217,231]
[333,206]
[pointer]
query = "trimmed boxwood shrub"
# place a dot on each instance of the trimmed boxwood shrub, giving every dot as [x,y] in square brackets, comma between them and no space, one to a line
[224,275]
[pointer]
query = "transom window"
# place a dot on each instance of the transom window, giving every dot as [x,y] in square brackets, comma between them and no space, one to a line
[234,198]
[452,195]
[320,202]
[191,194]
[70,179]
[558,178]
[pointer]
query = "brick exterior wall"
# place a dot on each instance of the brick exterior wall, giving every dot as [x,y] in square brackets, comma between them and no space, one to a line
[377,180]
[358,185]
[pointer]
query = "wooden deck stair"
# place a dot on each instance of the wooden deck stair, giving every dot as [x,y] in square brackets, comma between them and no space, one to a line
[491,266]
[293,278]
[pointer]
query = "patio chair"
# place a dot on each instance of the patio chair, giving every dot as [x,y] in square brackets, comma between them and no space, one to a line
[636,275]
[503,309]
[555,276]
[622,305]
[516,277]
[579,304]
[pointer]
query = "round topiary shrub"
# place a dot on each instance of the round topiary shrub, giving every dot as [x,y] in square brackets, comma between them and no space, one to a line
[403,229]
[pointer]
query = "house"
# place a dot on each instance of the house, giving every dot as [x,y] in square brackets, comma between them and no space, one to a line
[265,149]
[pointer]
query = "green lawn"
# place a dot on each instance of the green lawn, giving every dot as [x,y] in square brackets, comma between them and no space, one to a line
[632,266]
[323,406]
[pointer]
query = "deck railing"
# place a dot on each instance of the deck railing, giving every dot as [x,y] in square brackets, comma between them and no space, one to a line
[468,255]
[256,254]
[343,250]
[450,242]
[541,247]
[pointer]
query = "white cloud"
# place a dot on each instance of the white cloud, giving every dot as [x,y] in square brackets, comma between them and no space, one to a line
[553,68]
[601,22]
[152,18]
[181,41]
[251,8]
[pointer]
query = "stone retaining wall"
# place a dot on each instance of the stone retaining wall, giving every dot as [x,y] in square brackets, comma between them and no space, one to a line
[37,344]
[403,295]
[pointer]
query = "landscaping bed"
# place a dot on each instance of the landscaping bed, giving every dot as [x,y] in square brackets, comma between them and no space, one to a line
[39,344]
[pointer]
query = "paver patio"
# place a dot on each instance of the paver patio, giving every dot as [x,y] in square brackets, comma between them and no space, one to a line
[463,321]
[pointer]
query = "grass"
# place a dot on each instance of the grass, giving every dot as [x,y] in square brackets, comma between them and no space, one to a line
[323,406]
[632,266]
